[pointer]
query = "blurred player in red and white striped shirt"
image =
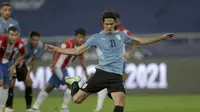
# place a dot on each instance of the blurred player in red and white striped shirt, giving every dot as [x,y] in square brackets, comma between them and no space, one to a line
[58,67]
[102,94]
[10,43]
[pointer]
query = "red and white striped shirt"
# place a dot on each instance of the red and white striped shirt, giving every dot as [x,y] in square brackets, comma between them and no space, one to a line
[122,29]
[7,51]
[63,60]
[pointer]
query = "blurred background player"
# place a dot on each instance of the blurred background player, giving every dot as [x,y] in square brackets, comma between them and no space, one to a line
[10,43]
[103,93]
[6,21]
[34,50]
[58,68]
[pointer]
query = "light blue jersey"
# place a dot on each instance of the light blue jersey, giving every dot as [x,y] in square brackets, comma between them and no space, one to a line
[110,50]
[5,25]
[32,52]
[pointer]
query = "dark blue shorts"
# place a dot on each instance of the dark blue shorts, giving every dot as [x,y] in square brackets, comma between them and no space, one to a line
[58,77]
[4,73]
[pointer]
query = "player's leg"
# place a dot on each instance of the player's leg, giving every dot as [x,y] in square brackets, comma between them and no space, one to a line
[117,91]
[22,75]
[9,102]
[42,96]
[28,92]
[93,85]
[119,101]
[66,99]
[77,94]
[1,88]
[6,83]
[61,73]
[101,95]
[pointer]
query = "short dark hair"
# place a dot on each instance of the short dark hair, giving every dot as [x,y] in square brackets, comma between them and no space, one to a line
[108,14]
[34,33]
[80,31]
[117,15]
[5,4]
[12,28]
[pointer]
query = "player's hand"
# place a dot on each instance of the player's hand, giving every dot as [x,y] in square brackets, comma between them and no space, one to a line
[50,48]
[11,70]
[20,64]
[52,68]
[127,56]
[168,35]
[28,80]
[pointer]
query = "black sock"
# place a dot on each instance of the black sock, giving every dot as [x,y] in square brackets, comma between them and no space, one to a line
[118,109]
[28,96]
[9,102]
[74,88]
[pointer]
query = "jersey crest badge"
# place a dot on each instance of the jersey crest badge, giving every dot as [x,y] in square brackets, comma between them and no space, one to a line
[118,37]
[35,51]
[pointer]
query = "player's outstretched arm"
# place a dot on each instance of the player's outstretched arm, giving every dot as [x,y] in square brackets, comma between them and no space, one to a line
[150,40]
[67,51]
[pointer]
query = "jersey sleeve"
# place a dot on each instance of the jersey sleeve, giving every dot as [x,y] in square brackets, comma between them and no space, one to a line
[66,44]
[21,47]
[127,38]
[91,42]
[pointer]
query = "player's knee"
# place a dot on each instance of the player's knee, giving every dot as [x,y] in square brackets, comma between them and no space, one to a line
[120,100]
[5,86]
[12,84]
[28,83]
[48,88]
[77,100]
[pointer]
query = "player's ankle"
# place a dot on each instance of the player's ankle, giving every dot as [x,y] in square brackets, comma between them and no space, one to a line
[118,108]
[64,106]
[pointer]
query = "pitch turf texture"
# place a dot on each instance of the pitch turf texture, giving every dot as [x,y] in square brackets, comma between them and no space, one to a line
[146,103]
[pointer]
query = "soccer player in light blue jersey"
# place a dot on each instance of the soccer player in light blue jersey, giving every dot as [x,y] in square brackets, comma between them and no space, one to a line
[110,68]
[127,55]
[5,20]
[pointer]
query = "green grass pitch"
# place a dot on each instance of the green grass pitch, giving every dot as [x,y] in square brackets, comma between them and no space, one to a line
[134,103]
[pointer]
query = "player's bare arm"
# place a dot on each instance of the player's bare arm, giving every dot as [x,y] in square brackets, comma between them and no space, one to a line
[150,40]
[18,60]
[53,63]
[31,66]
[84,65]
[67,51]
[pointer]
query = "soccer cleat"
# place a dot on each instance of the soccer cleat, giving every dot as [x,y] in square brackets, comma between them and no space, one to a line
[9,110]
[70,80]
[64,110]
[30,110]
[35,110]
[97,110]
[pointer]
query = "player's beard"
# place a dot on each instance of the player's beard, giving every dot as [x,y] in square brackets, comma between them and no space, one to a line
[6,17]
